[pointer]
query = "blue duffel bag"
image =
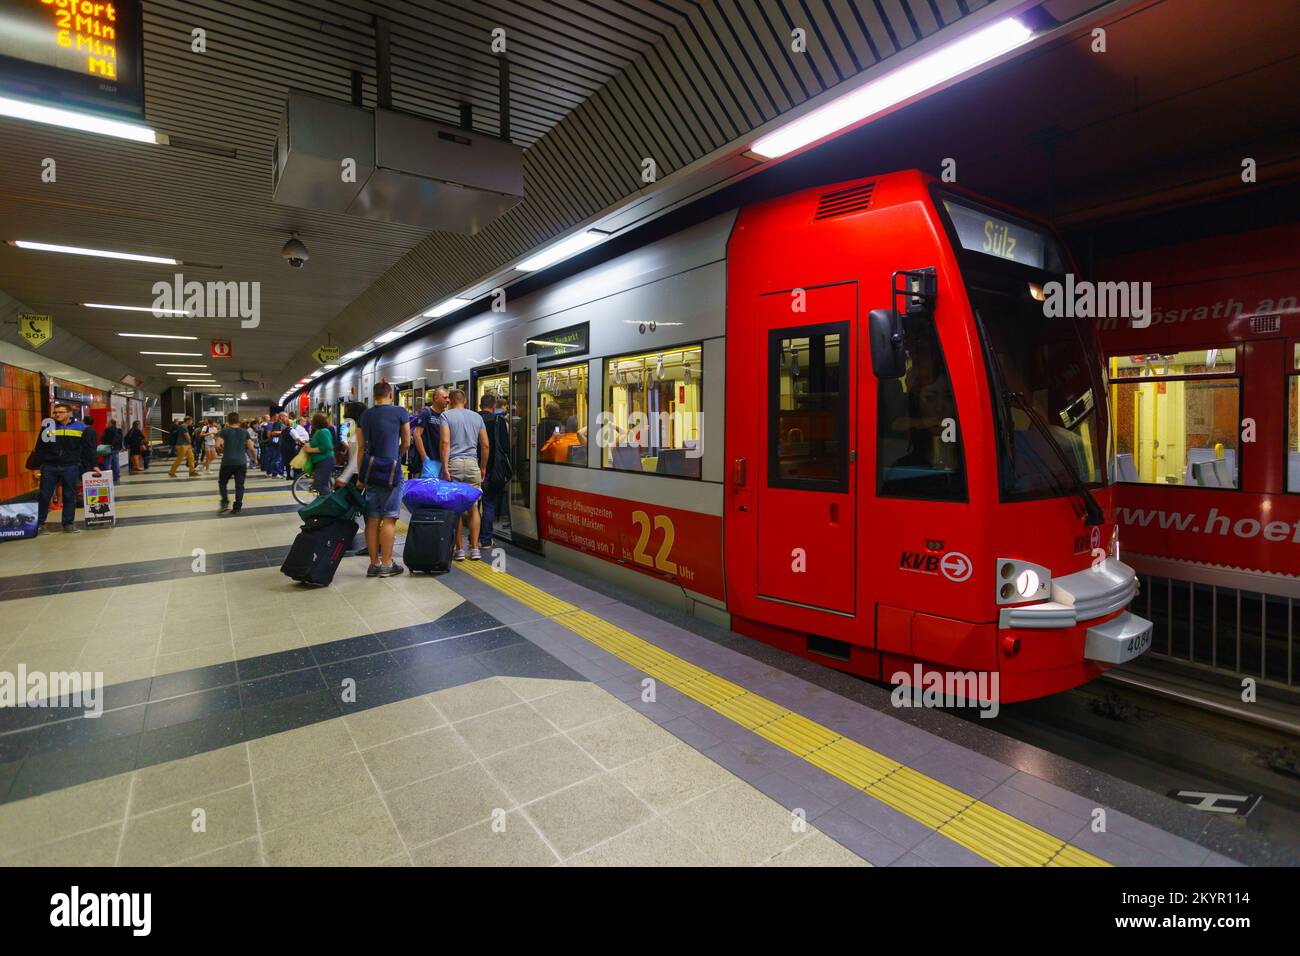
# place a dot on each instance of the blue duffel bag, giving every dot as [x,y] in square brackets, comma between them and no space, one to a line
[434,493]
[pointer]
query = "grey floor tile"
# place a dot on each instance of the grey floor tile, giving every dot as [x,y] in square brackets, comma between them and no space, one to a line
[941,851]
[898,827]
[1118,850]
[1183,852]
[792,796]
[1035,812]
[853,834]
[691,733]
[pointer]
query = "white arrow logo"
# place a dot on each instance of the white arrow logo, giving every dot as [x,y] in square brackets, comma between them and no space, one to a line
[955,566]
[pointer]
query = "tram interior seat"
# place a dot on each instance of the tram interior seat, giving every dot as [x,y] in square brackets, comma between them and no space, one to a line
[673,461]
[1126,468]
[1213,474]
[1223,477]
[627,458]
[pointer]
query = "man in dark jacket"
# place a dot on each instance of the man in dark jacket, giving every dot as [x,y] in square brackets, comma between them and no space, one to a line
[112,437]
[65,450]
[499,467]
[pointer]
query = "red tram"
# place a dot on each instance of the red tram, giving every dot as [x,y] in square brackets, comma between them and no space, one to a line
[1205,405]
[838,421]
[961,516]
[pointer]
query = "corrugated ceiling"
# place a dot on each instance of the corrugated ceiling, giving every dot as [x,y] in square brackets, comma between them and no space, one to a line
[595,88]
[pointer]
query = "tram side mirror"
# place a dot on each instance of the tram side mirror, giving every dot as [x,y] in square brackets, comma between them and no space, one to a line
[885,326]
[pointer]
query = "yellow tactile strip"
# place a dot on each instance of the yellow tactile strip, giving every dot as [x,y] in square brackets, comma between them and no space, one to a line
[982,829]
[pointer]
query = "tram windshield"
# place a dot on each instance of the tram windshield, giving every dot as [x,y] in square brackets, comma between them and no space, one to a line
[1046,373]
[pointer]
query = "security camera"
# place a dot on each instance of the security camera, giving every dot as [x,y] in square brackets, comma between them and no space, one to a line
[295,253]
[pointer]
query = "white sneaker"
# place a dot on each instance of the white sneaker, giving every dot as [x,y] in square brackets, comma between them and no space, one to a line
[474,554]
[458,554]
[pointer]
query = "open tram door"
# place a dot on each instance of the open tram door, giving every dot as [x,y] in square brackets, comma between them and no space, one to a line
[522,419]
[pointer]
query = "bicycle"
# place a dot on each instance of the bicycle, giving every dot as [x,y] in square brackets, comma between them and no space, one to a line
[303,491]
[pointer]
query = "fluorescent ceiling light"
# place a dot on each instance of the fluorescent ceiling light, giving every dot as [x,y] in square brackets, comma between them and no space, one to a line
[138,308]
[451,305]
[316,374]
[85,122]
[388,336]
[351,355]
[150,335]
[911,79]
[185,354]
[102,253]
[328,368]
[561,250]
[193,374]
[177,365]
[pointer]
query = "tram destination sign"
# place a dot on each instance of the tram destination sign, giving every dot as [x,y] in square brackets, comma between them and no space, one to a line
[561,343]
[980,231]
[80,55]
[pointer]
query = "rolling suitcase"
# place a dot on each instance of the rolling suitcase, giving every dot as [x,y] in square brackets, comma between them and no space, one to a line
[315,553]
[429,538]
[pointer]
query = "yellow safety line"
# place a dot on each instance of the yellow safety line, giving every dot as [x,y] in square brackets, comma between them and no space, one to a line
[190,501]
[982,829]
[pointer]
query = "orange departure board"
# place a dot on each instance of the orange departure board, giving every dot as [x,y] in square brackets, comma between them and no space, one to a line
[77,54]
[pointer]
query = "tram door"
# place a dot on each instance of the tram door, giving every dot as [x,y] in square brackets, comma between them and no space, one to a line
[522,418]
[807,495]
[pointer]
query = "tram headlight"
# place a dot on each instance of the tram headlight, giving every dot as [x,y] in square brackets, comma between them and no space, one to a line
[1021,581]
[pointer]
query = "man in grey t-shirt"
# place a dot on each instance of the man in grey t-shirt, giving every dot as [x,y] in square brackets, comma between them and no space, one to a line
[465,449]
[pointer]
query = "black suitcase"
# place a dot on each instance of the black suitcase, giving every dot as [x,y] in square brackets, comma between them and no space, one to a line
[429,538]
[315,554]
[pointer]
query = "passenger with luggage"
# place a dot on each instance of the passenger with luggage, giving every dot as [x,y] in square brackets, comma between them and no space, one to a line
[465,441]
[384,436]
[320,450]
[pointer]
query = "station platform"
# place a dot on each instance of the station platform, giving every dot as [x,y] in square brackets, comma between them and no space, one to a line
[505,713]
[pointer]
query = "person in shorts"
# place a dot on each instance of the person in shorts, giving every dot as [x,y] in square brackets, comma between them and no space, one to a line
[466,441]
[383,437]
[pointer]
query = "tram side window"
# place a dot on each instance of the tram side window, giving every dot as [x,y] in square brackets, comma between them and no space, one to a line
[1175,417]
[1293,424]
[652,417]
[809,408]
[918,442]
[562,415]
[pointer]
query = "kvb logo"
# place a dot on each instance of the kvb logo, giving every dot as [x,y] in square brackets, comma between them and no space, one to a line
[953,565]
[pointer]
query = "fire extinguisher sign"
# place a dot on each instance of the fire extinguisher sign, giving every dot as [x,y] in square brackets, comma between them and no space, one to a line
[220,348]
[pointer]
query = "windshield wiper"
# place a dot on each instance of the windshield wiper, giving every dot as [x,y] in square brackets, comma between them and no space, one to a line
[1092,513]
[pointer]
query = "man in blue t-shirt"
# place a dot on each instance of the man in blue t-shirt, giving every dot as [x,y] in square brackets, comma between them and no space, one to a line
[428,435]
[383,437]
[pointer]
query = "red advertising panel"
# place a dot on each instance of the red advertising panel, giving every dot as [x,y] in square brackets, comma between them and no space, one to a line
[304,404]
[684,547]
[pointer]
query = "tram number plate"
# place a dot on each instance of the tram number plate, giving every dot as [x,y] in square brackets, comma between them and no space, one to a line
[1137,644]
